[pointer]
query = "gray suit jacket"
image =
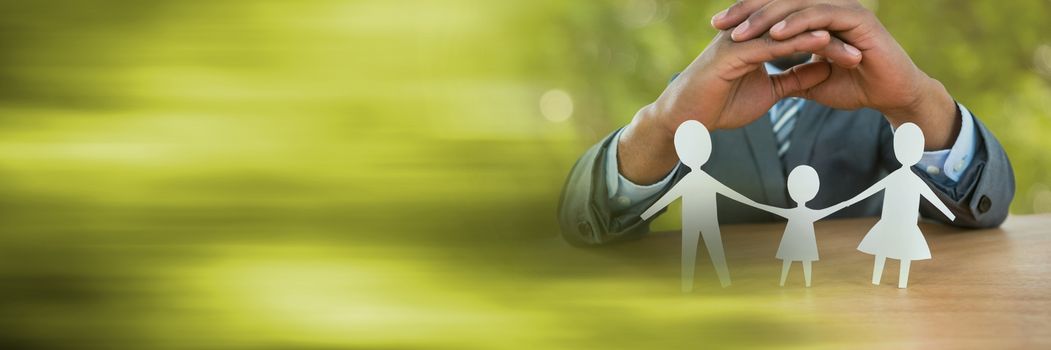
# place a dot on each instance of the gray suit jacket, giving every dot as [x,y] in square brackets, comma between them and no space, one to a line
[850,150]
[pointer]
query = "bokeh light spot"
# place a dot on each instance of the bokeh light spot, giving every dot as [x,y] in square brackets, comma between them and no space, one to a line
[1041,199]
[640,13]
[1042,60]
[556,105]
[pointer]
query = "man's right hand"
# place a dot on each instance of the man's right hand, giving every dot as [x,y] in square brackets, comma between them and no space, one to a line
[724,87]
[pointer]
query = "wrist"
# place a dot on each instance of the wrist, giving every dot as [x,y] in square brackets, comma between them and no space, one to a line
[934,111]
[652,124]
[646,149]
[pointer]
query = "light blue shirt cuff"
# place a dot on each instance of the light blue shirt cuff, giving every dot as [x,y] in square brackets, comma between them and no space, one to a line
[951,163]
[623,193]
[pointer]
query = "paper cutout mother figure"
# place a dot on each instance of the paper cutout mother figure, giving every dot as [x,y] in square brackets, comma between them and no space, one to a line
[798,242]
[897,234]
[693,144]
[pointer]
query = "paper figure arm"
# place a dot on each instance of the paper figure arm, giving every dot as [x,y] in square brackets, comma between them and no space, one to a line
[674,193]
[929,195]
[730,193]
[876,187]
[782,212]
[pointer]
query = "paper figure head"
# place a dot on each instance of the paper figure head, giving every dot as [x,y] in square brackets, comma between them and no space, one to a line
[693,144]
[908,144]
[803,184]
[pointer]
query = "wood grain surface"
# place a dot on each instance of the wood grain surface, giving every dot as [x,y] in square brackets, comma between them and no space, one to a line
[982,289]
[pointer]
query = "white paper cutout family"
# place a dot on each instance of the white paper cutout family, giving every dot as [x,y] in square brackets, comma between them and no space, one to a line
[896,235]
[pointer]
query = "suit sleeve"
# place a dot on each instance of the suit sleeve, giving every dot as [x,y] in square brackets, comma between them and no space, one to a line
[584,213]
[982,195]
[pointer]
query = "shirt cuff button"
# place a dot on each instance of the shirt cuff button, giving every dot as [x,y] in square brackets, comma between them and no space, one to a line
[585,229]
[984,204]
[933,170]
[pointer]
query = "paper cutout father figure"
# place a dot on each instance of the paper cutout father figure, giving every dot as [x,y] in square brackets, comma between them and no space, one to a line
[698,192]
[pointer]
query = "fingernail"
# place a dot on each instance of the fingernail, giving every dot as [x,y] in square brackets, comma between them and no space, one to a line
[819,33]
[718,16]
[739,30]
[778,27]
[853,51]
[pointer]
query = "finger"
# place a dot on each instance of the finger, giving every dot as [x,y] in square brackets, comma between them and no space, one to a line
[798,80]
[844,21]
[736,13]
[840,53]
[745,56]
[765,48]
[761,19]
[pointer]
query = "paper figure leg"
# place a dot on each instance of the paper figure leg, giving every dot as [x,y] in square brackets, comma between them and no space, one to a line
[806,271]
[714,242]
[690,238]
[903,276]
[785,265]
[877,269]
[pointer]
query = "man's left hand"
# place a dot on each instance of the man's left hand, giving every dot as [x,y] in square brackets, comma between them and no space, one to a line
[886,79]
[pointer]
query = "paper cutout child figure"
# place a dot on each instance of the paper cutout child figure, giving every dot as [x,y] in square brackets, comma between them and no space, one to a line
[798,242]
[897,234]
[693,144]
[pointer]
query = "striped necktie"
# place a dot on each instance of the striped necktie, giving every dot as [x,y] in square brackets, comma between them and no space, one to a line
[783,114]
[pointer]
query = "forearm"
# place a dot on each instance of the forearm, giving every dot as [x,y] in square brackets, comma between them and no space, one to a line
[646,150]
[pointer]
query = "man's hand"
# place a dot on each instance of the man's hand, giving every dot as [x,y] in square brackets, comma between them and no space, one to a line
[724,87]
[886,79]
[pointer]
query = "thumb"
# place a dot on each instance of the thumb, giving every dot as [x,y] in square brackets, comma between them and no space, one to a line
[799,79]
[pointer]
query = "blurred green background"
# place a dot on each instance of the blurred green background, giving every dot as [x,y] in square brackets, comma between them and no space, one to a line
[358,174]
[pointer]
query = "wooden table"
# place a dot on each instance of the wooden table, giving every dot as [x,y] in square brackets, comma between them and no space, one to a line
[982,289]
